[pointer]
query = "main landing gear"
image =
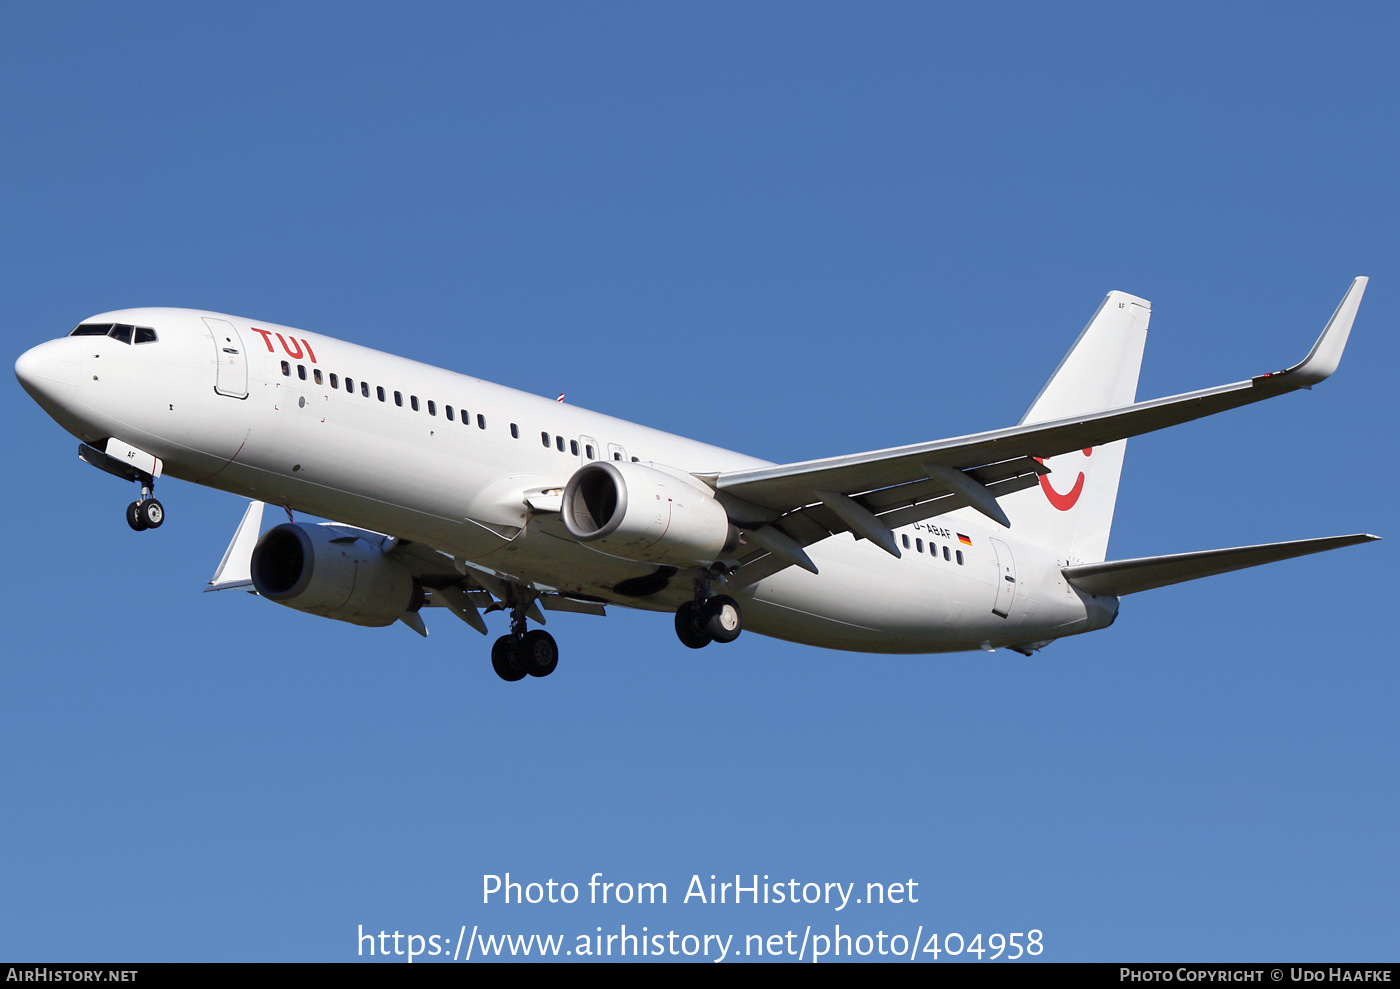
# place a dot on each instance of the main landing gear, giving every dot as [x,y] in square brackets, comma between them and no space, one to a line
[521,653]
[708,618]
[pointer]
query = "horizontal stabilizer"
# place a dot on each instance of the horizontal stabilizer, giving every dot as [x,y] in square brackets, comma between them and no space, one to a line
[1119,577]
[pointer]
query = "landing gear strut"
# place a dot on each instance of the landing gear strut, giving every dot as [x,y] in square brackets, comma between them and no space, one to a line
[521,653]
[708,618]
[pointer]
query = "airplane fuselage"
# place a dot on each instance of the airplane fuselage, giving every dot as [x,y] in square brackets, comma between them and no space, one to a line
[337,430]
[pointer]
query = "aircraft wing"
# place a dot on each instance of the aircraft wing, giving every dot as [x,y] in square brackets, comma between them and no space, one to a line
[786,507]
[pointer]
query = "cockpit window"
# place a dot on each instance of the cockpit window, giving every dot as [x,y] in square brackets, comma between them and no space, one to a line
[117,331]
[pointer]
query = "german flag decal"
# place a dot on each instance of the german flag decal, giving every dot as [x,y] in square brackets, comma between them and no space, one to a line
[964,540]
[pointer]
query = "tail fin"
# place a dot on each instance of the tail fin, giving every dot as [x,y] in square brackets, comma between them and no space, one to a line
[1071,511]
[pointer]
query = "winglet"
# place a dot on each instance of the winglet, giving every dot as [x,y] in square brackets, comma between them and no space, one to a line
[1326,354]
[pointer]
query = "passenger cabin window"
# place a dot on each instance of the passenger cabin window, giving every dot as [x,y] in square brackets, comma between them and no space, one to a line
[918,545]
[316,374]
[945,553]
[301,371]
[364,389]
[398,399]
[544,438]
[588,449]
[379,390]
[514,431]
[335,381]
[413,401]
[573,447]
[286,370]
[559,443]
[960,563]
[432,407]
[904,539]
[448,410]
[481,420]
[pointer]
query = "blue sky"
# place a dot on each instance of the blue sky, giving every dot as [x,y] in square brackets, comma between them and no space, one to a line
[792,229]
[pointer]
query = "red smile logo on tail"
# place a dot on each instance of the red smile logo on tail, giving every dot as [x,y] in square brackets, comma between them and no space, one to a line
[1064,502]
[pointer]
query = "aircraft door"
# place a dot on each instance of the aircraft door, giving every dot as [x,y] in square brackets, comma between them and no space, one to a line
[1006,579]
[232,376]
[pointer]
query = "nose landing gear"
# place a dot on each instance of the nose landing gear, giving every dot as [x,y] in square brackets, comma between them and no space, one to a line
[145,512]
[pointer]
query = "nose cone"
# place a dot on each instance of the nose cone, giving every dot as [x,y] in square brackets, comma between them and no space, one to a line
[49,372]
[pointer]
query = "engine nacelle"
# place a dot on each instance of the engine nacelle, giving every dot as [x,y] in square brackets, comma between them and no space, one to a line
[323,571]
[639,513]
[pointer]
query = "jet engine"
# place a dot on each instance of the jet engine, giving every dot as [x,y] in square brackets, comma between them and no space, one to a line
[639,513]
[325,571]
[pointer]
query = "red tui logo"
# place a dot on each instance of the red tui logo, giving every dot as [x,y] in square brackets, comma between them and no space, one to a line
[267,336]
[1064,502]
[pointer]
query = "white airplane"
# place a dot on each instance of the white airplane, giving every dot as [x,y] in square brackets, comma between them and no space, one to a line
[452,492]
